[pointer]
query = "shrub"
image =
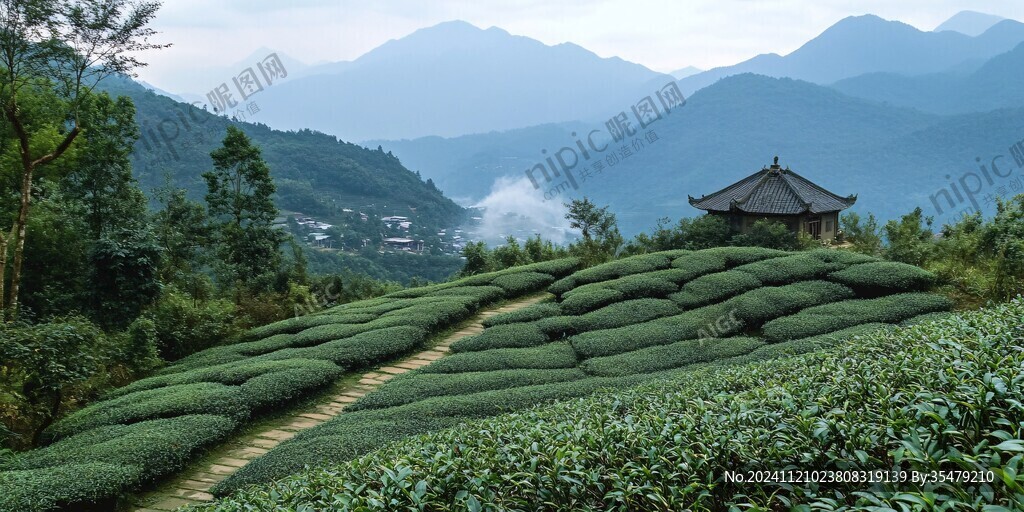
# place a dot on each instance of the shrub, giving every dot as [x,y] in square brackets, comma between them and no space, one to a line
[707,261]
[557,327]
[926,318]
[413,387]
[642,285]
[841,256]
[232,374]
[352,434]
[184,327]
[742,255]
[360,350]
[701,262]
[625,313]
[758,306]
[614,450]
[799,267]
[715,287]
[294,325]
[307,338]
[611,270]
[884,277]
[829,317]
[93,484]
[664,357]
[181,400]
[96,466]
[432,316]
[271,389]
[522,283]
[502,336]
[528,314]
[625,339]
[552,355]
[555,268]
[802,345]
[583,301]
[673,275]
[480,294]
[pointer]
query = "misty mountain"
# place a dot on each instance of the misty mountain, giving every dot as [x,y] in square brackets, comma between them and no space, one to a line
[868,44]
[453,79]
[971,23]
[315,173]
[894,158]
[996,84]
[685,72]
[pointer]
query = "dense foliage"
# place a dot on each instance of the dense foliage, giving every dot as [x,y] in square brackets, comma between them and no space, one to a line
[869,404]
[613,325]
[154,426]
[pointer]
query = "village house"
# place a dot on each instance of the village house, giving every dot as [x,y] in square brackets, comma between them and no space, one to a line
[781,195]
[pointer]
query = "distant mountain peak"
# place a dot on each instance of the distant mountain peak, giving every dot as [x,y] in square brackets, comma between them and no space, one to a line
[681,73]
[971,23]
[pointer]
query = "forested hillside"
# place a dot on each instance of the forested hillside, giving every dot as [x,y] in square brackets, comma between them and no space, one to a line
[315,173]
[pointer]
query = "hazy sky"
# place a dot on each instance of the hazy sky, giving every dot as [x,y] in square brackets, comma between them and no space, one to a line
[663,35]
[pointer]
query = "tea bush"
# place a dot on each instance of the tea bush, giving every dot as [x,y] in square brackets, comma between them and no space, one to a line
[502,336]
[552,355]
[829,317]
[413,387]
[667,445]
[528,314]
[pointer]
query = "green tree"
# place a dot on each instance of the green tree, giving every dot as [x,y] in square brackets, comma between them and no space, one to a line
[510,254]
[697,233]
[910,239]
[62,49]
[47,360]
[862,234]
[599,229]
[1003,240]
[182,231]
[124,280]
[123,254]
[770,234]
[478,259]
[241,208]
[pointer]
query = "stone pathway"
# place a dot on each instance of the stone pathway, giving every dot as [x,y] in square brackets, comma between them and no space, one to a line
[193,486]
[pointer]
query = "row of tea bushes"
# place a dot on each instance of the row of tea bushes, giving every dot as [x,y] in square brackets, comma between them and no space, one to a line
[154,426]
[660,446]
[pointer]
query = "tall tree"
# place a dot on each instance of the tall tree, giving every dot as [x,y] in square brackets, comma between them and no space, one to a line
[242,210]
[600,230]
[910,238]
[182,231]
[63,47]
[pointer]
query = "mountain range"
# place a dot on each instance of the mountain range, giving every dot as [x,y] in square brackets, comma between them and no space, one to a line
[453,79]
[869,44]
[315,173]
[874,107]
[896,139]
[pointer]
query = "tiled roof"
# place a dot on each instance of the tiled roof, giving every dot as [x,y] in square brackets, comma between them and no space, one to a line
[773,191]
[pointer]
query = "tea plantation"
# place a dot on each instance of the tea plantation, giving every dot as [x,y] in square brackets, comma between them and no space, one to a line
[618,325]
[889,405]
[155,426]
